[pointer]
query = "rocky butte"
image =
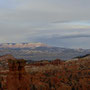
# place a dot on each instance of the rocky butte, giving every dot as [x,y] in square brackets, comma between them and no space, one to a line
[4,60]
[17,78]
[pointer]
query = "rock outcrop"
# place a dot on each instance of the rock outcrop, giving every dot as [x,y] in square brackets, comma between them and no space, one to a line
[57,62]
[4,60]
[17,78]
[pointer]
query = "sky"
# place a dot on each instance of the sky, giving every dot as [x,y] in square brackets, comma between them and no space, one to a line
[62,23]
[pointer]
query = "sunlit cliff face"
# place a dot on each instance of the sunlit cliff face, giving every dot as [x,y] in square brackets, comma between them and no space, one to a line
[22,45]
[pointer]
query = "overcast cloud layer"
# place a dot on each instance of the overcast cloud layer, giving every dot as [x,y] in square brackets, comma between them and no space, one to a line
[64,23]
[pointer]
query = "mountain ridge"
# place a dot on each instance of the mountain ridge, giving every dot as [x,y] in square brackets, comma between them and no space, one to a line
[40,51]
[23,45]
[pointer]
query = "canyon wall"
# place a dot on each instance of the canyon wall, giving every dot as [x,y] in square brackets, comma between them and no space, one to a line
[17,78]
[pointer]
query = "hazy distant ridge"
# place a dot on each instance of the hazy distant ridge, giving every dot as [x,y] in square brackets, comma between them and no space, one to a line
[22,45]
[40,51]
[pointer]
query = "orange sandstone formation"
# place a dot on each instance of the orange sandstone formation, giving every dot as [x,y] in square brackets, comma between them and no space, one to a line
[45,75]
[17,78]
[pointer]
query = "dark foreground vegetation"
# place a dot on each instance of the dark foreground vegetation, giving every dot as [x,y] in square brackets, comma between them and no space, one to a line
[44,75]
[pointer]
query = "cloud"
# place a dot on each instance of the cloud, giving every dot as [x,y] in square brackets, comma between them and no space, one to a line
[73,36]
[69,41]
[28,20]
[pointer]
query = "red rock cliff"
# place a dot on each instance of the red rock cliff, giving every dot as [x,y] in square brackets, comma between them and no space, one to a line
[17,78]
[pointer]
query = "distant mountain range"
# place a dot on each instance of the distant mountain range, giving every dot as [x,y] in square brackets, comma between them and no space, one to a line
[40,51]
[22,45]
